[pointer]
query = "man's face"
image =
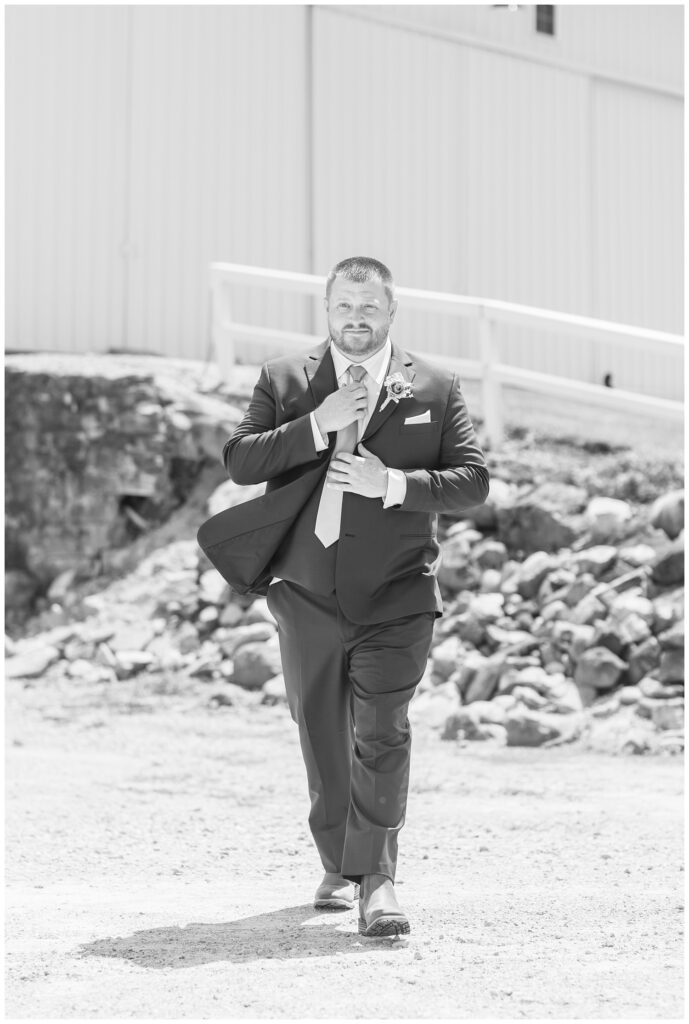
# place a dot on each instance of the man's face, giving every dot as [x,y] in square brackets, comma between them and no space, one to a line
[359,317]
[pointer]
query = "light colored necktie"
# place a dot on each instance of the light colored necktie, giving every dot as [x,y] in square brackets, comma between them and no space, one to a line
[330,506]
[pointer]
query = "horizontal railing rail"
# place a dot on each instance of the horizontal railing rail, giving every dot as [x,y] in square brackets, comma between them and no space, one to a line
[487,313]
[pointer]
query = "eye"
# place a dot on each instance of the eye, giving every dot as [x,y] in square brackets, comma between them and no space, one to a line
[370,308]
[342,306]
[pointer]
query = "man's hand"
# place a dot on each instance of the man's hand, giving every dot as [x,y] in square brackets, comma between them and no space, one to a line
[366,476]
[342,407]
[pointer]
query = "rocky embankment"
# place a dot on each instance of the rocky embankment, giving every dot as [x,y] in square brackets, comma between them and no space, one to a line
[564,593]
[584,642]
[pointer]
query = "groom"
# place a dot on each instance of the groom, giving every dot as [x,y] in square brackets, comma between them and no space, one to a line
[354,590]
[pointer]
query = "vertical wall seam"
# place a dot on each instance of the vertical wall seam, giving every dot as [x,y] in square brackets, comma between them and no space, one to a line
[125,247]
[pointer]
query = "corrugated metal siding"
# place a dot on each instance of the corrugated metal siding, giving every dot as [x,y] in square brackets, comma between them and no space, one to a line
[65,134]
[643,41]
[390,177]
[217,164]
[144,142]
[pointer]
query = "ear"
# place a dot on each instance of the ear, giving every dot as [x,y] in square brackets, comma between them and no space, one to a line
[325,303]
[393,310]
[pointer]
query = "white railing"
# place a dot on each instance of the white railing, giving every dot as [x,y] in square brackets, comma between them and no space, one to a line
[485,312]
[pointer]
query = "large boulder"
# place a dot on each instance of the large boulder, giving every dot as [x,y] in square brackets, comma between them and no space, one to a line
[100,449]
[546,518]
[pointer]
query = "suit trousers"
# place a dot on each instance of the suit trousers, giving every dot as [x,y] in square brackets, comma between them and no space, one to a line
[348,689]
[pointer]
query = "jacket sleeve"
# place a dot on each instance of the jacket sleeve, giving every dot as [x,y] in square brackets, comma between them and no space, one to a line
[462,480]
[258,450]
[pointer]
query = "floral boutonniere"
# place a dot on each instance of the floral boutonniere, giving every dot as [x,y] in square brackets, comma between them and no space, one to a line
[397,387]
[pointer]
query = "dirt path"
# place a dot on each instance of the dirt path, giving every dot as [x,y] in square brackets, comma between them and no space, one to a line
[160,867]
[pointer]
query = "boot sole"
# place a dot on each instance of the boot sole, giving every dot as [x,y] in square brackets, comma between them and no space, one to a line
[384,926]
[333,905]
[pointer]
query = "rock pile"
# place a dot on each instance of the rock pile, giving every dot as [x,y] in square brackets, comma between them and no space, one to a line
[544,649]
[172,625]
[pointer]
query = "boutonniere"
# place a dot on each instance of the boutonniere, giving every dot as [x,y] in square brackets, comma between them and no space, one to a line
[397,388]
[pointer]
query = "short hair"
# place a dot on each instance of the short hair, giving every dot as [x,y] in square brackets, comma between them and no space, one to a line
[360,269]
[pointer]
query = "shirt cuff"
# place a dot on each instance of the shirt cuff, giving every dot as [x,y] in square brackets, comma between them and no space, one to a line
[397,488]
[320,444]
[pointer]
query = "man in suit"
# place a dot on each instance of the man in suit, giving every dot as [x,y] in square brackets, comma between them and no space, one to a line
[354,589]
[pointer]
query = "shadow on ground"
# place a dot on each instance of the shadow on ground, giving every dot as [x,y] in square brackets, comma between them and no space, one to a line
[291,933]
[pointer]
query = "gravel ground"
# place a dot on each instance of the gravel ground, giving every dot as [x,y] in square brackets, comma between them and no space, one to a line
[159,866]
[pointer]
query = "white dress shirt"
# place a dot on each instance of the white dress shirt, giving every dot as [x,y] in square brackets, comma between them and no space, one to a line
[376,367]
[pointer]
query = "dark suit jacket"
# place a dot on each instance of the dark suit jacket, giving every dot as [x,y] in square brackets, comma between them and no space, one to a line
[384,565]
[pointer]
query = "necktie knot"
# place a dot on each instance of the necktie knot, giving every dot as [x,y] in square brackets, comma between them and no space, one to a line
[357,372]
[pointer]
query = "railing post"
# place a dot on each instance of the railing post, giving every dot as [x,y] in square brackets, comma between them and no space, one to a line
[490,385]
[221,327]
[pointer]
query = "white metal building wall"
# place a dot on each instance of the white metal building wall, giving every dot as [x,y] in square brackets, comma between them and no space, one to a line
[218,163]
[144,142]
[496,176]
[65,177]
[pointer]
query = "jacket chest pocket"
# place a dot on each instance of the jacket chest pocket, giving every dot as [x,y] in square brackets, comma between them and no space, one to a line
[419,430]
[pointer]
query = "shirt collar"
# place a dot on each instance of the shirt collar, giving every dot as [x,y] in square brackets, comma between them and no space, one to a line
[376,365]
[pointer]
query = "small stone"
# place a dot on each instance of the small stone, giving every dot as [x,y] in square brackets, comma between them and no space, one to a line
[589,610]
[491,580]
[208,616]
[596,560]
[598,668]
[256,663]
[533,571]
[212,588]
[668,714]
[637,555]
[490,554]
[31,664]
[530,728]
[487,607]
[673,638]
[636,742]
[653,688]
[671,669]
[274,691]
[667,568]
[130,662]
[60,588]
[529,697]
[231,615]
[606,517]
[485,680]
[633,629]
[643,658]
[132,637]
[445,657]
[254,632]
[667,513]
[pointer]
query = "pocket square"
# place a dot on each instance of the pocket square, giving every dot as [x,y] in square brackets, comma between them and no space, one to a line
[423,417]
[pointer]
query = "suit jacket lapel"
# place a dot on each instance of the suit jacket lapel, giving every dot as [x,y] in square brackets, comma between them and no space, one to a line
[400,362]
[320,371]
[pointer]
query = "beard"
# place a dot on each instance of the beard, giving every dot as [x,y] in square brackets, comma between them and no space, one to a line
[360,346]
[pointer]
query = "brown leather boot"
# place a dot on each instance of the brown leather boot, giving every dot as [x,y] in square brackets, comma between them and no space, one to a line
[335,893]
[379,912]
